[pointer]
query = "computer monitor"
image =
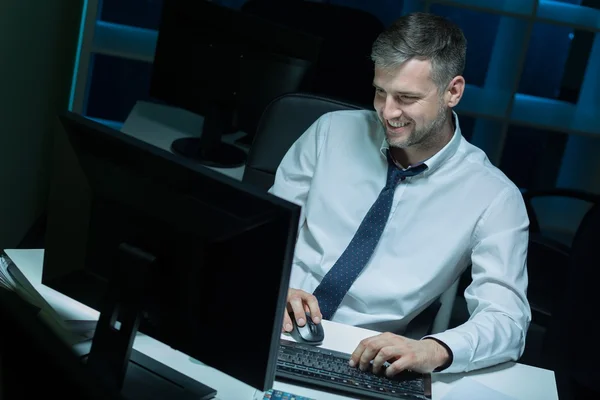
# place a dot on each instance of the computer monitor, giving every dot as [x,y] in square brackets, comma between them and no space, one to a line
[214,60]
[195,259]
[35,359]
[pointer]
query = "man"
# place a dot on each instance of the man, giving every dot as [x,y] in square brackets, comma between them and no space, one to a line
[396,204]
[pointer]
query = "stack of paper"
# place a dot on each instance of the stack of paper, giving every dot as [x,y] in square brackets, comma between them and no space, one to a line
[13,279]
[5,280]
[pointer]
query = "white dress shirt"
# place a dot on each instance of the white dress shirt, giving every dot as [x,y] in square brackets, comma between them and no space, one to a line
[462,210]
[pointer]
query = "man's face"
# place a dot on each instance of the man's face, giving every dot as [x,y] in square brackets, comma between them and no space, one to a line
[409,104]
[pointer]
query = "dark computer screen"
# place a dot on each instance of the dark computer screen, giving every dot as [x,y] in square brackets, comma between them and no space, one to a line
[204,258]
[35,359]
[213,60]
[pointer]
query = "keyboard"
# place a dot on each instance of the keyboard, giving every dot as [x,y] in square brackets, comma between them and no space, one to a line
[329,370]
[281,395]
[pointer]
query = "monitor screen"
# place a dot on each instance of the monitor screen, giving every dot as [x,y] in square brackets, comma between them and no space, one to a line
[221,250]
[216,61]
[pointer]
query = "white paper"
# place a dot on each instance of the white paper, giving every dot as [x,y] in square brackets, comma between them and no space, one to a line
[6,280]
[13,278]
[470,389]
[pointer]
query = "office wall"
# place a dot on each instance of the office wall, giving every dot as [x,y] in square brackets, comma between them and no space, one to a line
[38,41]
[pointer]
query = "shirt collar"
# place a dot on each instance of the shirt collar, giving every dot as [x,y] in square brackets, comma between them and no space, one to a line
[438,158]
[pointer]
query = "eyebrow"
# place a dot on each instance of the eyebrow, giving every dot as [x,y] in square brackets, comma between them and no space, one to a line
[402,93]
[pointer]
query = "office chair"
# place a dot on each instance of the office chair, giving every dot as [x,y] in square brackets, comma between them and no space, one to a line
[34,360]
[547,262]
[571,347]
[284,120]
[530,195]
[548,259]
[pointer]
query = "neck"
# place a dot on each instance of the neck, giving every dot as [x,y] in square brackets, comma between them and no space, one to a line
[415,154]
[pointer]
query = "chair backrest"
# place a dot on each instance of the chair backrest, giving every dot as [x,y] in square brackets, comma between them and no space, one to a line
[547,261]
[284,120]
[571,339]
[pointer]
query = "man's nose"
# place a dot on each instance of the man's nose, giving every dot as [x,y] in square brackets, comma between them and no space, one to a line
[390,109]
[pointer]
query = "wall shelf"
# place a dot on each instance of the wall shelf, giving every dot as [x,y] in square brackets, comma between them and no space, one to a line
[124,41]
[498,99]
[495,101]
[517,8]
[576,16]
[555,115]
[486,103]
[111,124]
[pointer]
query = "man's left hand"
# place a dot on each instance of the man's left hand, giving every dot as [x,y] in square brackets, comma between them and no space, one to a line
[402,353]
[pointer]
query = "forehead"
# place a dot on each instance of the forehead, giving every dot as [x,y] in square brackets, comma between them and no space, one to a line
[412,76]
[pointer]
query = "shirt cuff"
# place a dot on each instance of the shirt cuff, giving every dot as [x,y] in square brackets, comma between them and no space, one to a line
[459,349]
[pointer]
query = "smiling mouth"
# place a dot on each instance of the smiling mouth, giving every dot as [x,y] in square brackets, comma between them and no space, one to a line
[398,124]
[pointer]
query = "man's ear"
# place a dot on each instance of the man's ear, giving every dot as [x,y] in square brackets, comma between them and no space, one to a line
[454,91]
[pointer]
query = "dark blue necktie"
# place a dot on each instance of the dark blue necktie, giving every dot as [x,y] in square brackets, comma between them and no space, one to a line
[344,272]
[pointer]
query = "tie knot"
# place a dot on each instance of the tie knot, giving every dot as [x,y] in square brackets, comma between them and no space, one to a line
[395,174]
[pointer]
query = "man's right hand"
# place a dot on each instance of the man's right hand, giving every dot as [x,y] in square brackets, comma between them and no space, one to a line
[298,304]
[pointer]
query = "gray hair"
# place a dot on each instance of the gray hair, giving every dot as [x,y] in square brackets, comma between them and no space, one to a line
[426,37]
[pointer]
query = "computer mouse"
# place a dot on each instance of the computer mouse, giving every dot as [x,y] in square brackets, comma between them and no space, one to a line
[310,333]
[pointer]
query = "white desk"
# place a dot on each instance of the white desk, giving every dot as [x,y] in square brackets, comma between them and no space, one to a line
[516,380]
[159,125]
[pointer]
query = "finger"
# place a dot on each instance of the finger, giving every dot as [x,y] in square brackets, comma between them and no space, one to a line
[357,353]
[313,307]
[364,352]
[287,322]
[371,350]
[297,306]
[386,354]
[402,364]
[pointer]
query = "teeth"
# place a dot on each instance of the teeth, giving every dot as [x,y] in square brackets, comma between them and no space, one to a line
[398,124]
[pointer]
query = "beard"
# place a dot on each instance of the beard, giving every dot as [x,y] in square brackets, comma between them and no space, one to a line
[424,136]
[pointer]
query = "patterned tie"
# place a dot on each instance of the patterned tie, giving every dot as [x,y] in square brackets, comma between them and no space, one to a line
[344,272]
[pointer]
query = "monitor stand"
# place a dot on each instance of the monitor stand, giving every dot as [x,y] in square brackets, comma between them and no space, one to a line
[133,374]
[209,149]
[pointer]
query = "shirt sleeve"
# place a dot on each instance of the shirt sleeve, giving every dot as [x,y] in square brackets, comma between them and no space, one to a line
[496,299]
[295,172]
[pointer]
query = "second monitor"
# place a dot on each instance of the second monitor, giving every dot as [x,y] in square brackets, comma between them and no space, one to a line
[225,65]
